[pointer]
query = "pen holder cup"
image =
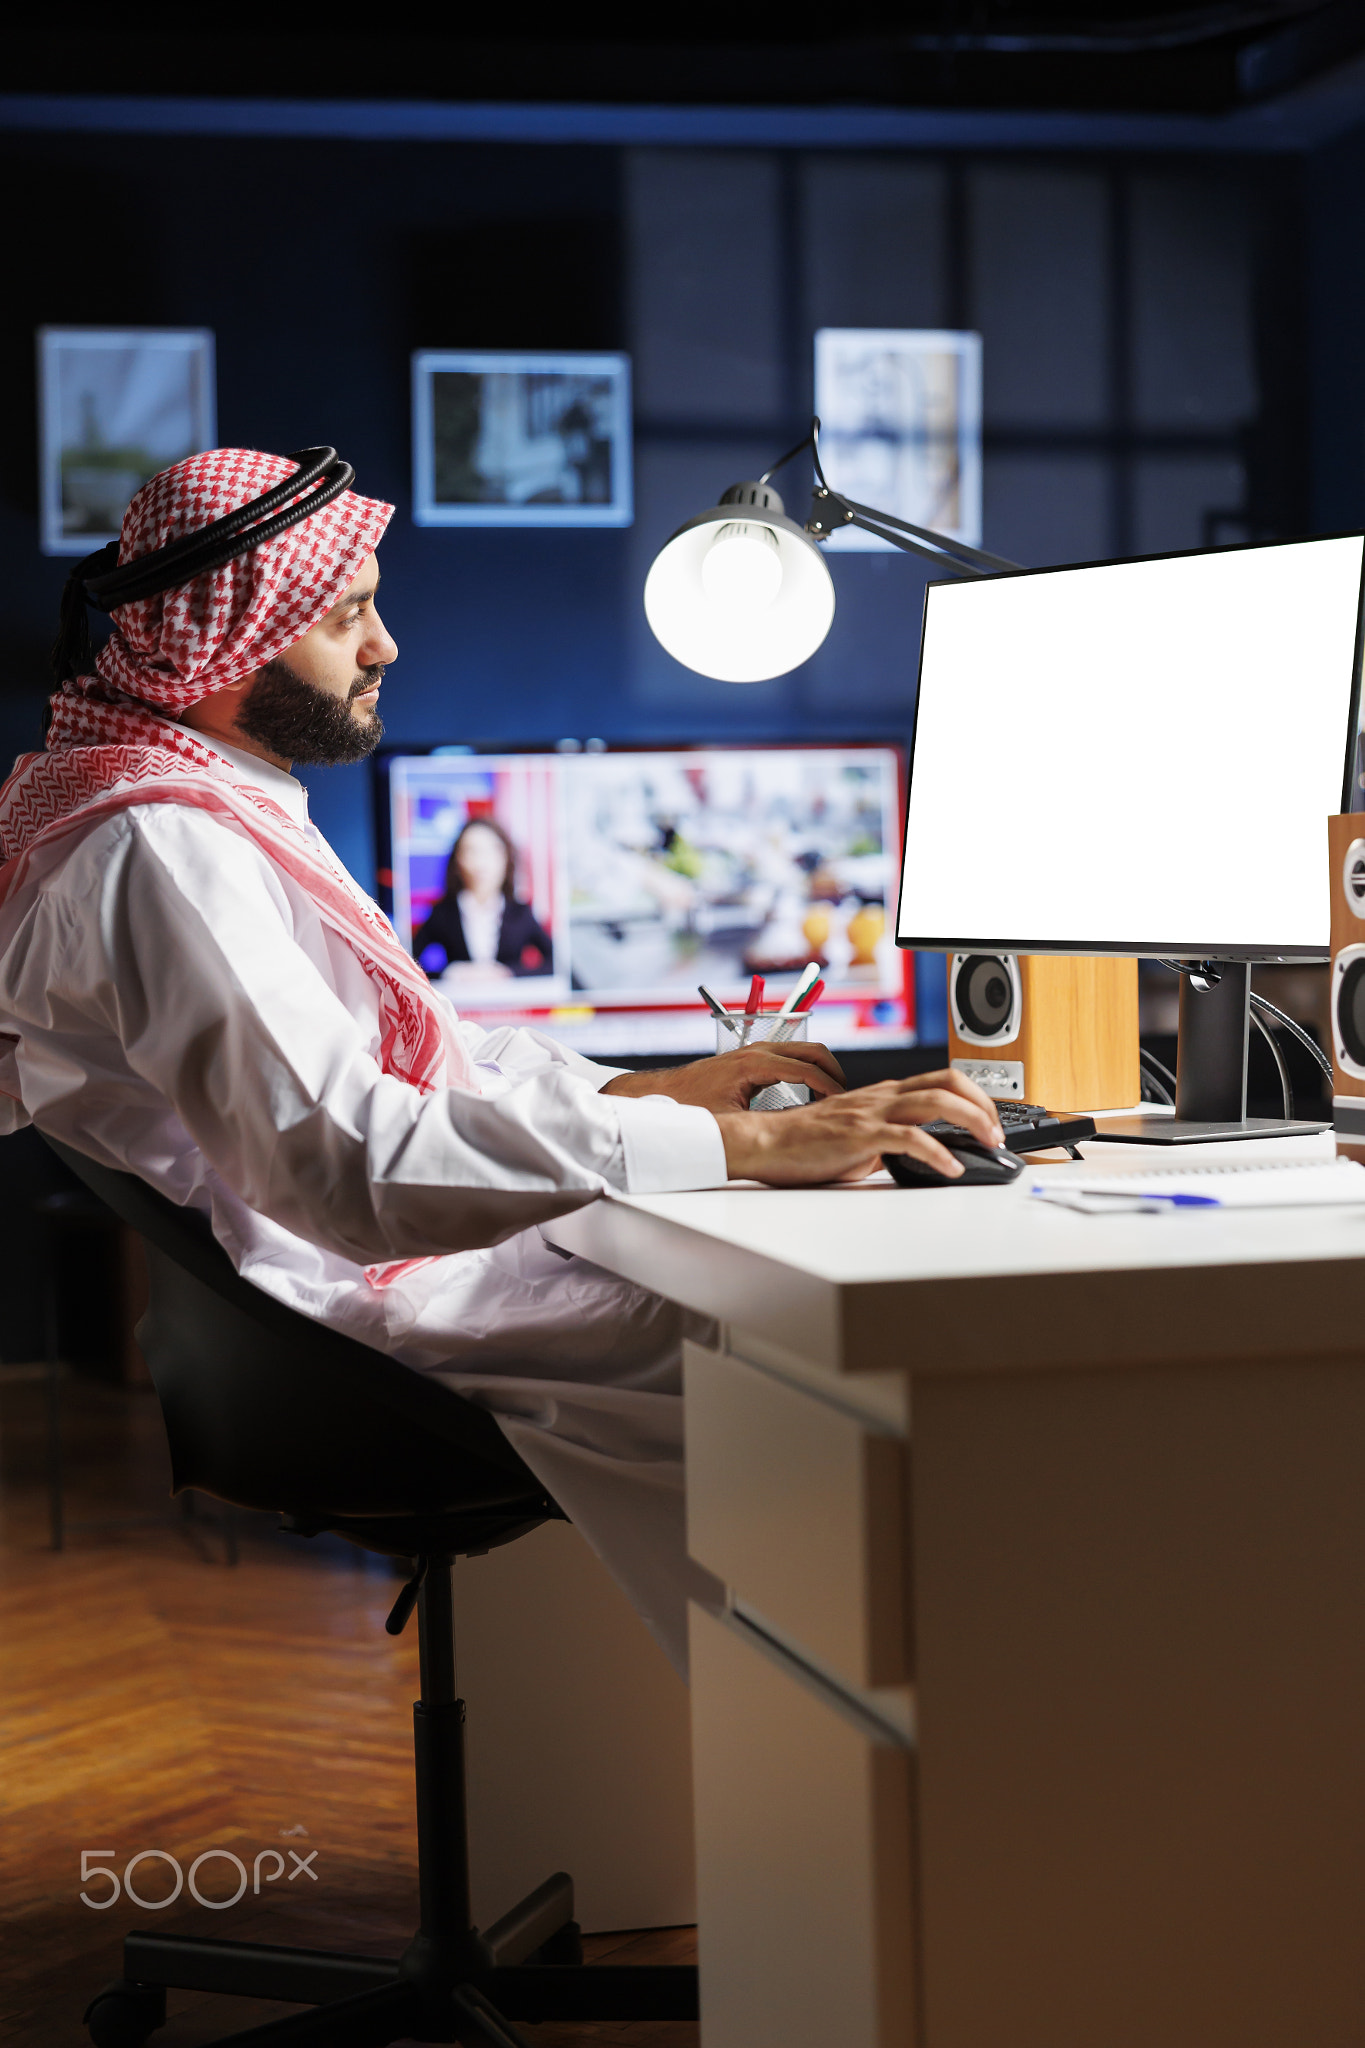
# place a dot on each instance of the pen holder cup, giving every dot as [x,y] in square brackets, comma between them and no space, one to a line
[761,1030]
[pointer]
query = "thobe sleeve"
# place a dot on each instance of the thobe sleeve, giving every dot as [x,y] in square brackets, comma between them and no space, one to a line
[664,1153]
[219,1006]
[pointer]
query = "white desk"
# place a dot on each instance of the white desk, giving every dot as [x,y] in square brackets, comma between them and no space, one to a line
[1039,1723]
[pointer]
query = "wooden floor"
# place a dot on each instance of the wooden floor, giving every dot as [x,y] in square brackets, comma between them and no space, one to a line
[154,1698]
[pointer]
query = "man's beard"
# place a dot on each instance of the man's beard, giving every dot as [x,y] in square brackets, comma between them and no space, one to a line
[299,722]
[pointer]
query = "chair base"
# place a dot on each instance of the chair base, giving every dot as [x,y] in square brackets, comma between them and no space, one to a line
[452,1983]
[433,1993]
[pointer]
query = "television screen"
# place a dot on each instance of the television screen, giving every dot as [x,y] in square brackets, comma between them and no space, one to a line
[591,892]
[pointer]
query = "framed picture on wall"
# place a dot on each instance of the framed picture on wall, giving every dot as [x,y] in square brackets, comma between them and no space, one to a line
[900,426]
[115,405]
[502,439]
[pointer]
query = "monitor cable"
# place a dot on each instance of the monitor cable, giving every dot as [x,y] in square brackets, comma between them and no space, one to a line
[1288,1024]
[1158,1082]
[1157,1077]
[1205,974]
[1286,1092]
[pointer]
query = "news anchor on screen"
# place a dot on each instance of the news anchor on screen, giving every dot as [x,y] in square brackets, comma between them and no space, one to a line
[480,922]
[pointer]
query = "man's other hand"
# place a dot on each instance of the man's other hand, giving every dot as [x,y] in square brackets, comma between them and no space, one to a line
[732,1079]
[844,1137]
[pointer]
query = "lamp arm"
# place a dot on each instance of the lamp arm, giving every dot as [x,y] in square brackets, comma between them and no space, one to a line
[935,547]
[976,557]
[914,547]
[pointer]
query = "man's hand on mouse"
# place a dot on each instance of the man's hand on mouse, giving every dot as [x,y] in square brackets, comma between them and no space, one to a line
[732,1079]
[844,1136]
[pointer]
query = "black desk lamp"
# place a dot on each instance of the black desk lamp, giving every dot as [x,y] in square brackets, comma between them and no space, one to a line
[742,593]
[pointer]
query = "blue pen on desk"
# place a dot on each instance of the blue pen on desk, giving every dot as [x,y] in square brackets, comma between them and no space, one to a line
[1131,1195]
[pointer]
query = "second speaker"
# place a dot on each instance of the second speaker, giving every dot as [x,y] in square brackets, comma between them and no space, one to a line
[1346,880]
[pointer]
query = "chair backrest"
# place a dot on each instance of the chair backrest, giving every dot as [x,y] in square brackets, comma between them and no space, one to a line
[268,1409]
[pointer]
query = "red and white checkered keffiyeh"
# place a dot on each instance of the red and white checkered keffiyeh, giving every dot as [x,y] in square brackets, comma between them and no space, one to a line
[111,745]
[174,648]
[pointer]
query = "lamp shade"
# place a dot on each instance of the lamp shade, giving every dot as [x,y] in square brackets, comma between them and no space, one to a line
[741,592]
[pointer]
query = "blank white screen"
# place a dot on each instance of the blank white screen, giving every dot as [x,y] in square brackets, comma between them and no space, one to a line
[1138,755]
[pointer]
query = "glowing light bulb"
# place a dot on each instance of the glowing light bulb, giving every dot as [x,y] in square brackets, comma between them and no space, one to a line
[741,571]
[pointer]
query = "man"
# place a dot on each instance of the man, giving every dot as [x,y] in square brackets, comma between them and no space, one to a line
[193,988]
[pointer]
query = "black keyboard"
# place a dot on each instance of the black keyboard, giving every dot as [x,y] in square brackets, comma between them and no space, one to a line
[1028,1127]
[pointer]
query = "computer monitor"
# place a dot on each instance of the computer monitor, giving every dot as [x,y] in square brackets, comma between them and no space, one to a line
[1135,757]
[638,873]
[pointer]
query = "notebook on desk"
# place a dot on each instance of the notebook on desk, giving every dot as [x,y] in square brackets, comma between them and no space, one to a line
[1294,1184]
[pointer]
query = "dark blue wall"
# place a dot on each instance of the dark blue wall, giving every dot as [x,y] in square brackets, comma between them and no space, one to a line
[1127,377]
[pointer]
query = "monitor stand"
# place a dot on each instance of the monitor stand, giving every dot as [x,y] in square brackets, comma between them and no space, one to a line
[1211,1073]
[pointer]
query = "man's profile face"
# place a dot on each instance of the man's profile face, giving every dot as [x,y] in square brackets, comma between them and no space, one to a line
[317,701]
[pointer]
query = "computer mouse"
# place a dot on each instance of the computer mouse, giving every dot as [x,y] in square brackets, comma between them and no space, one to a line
[984,1166]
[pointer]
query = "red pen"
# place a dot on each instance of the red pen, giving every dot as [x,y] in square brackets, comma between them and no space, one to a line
[754,1002]
[810,998]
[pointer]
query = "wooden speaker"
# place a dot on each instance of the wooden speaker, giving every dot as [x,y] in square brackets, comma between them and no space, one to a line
[1346,880]
[1048,1028]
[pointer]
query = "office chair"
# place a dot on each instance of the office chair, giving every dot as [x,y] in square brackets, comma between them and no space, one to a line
[77,1210]
[267,1409]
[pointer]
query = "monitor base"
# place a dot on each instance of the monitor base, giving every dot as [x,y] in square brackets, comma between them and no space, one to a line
[1178,1130]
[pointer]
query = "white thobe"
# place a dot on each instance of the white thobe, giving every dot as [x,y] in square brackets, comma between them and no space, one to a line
[175,1006]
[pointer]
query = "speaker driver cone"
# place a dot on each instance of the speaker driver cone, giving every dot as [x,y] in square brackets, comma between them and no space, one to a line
[985,994]
[1349,1003]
